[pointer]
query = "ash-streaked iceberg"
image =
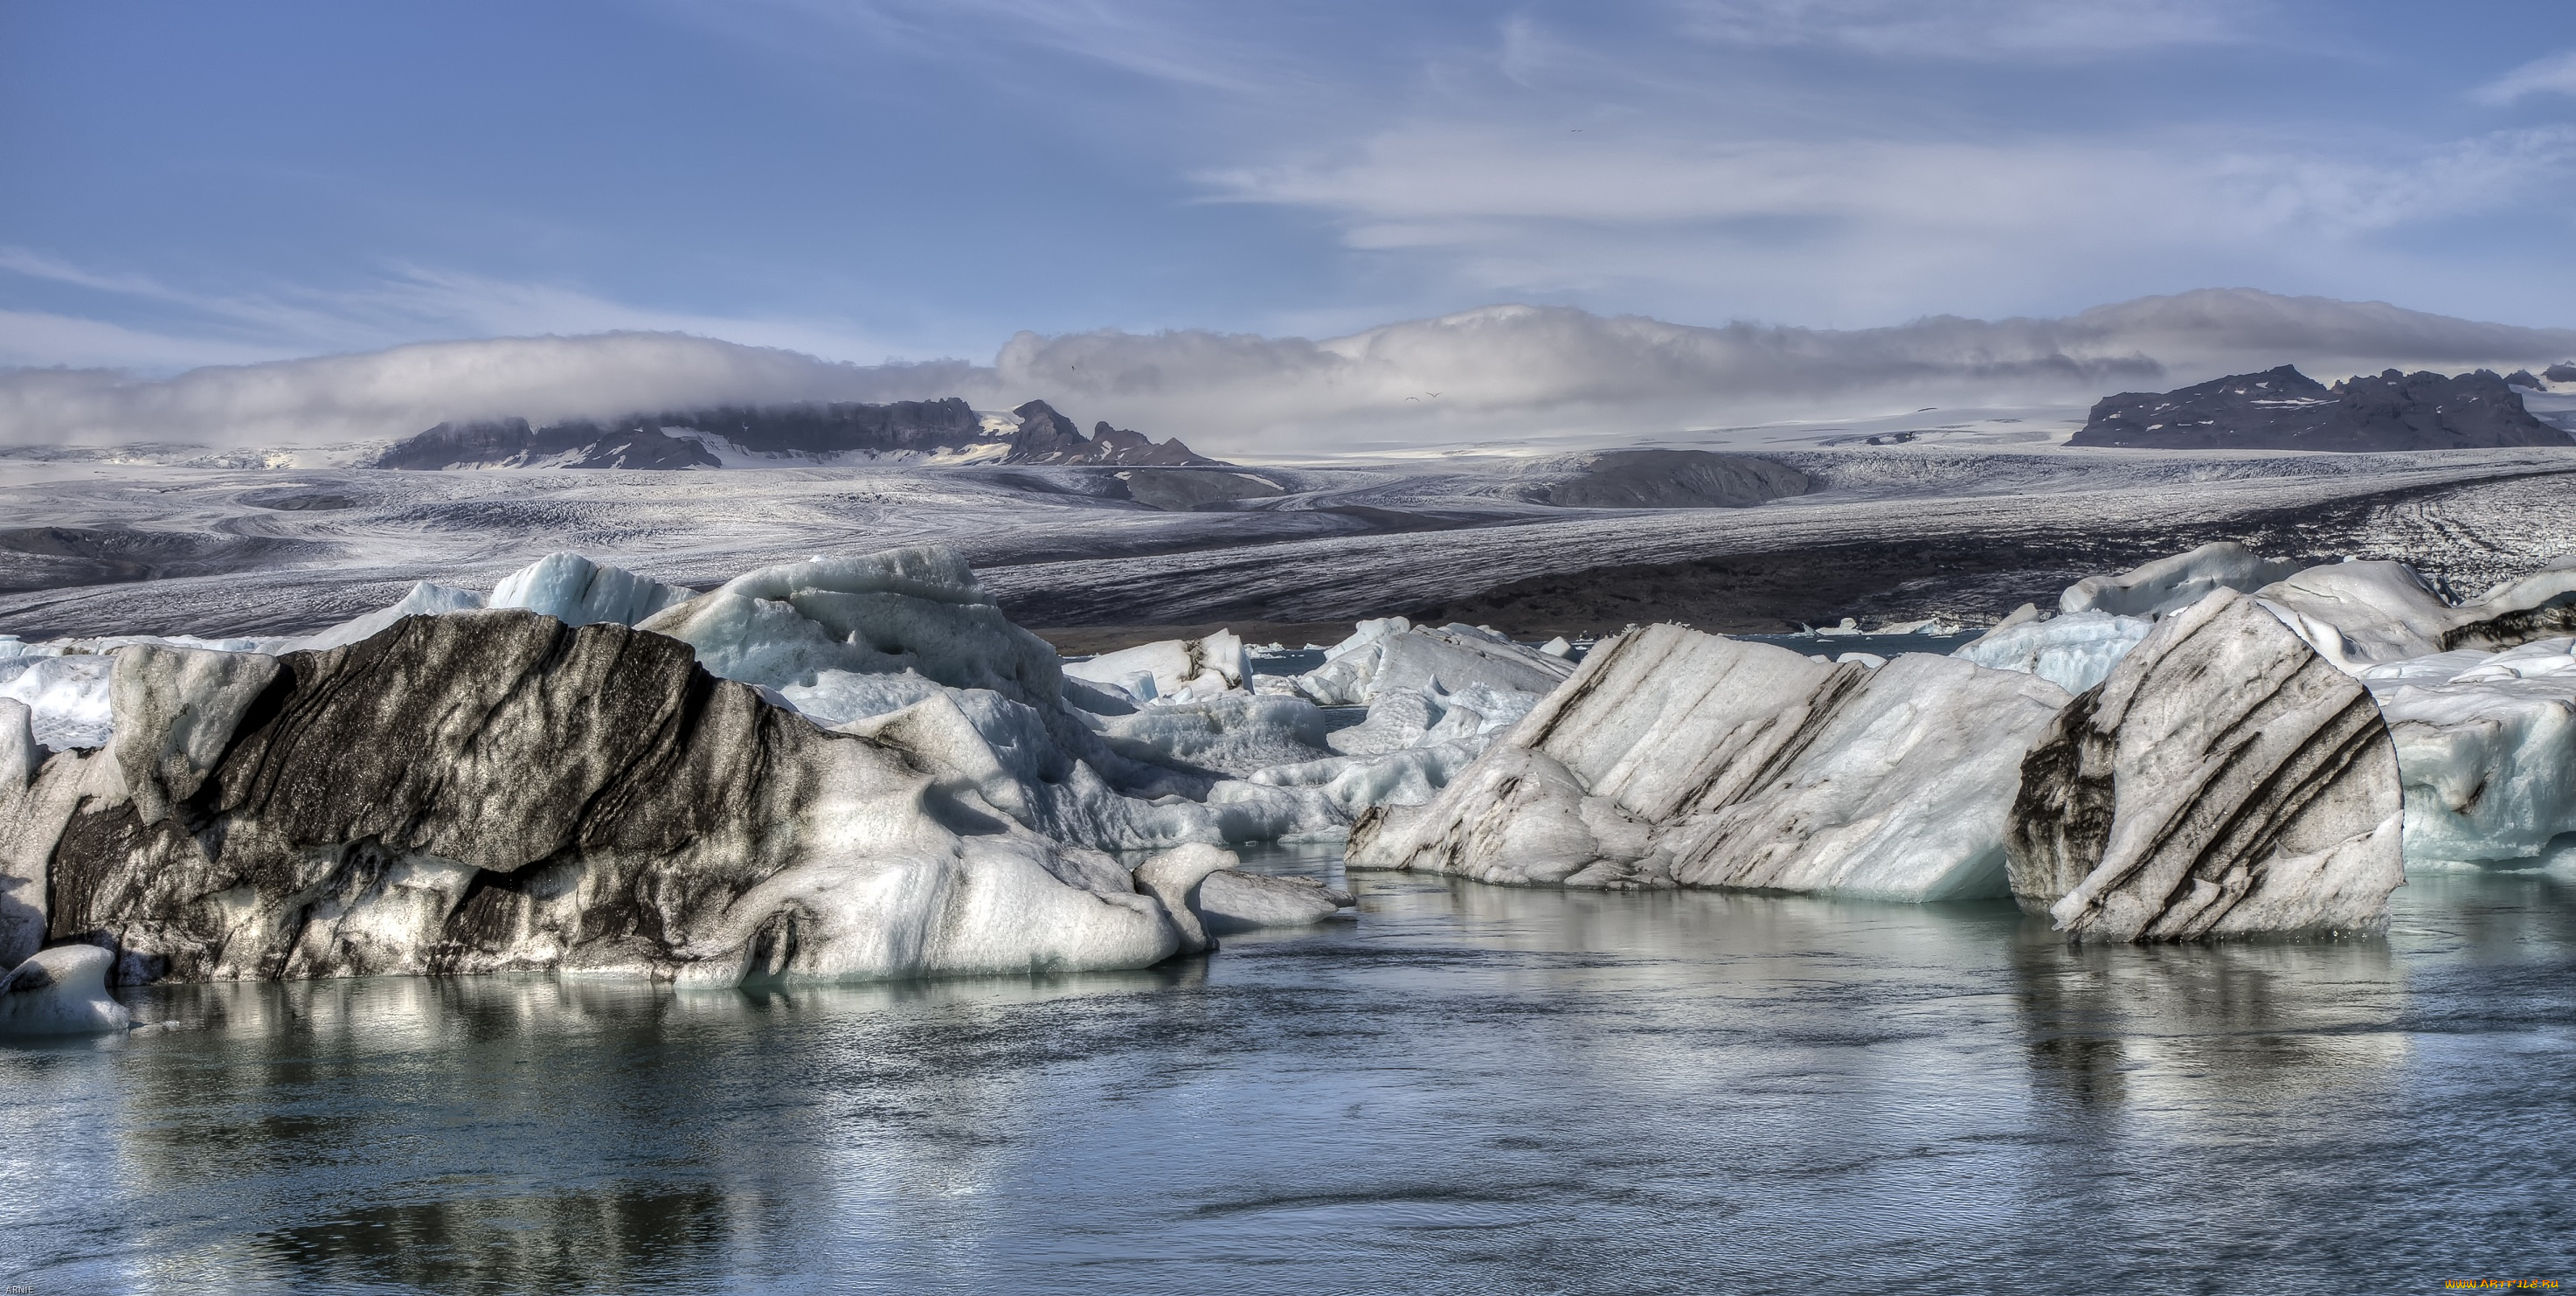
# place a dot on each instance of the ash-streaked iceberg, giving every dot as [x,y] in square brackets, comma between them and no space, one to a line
[2224,780]
[1679,758]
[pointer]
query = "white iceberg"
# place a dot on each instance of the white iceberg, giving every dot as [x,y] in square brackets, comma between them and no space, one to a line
[2486,745]
[61,991]
[2168,584]
[2073,652]
[1675,757]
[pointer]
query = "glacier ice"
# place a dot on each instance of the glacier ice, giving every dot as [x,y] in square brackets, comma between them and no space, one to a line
[2223,780]
[576,591]
[2168,584]
[2486,745]
[1390,655]
[1674,757]
[1173,668]
[2073,652]
[61,991]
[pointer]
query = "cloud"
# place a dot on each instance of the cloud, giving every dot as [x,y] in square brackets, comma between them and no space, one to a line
[1494,372]
[405,389]
[1971,29]
[2555,74]
[408,301]
[1869,225]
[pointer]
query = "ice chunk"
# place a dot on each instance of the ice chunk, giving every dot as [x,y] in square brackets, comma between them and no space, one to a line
[1557,647]
[2072,652]
[578,592]
[1232,735]
[1231,900]
[2168,584]
[2223,780]
[67,695]
[1199,668]
[1679,757]
[2359,612]
[424,599]
[917,609]
[61,991]
[1452,657]
[2485,744]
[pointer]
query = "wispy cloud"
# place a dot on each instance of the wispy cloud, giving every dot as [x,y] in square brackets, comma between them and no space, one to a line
[403,304]
[1973,29]
[2555,74]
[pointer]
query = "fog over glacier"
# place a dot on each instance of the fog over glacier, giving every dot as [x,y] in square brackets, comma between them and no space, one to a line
[1493,371]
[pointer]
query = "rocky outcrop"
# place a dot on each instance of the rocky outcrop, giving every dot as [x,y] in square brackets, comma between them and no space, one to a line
[2283,409]
[1047,437]
[646,440]
[1679,758]
[2223,780]
[495,790]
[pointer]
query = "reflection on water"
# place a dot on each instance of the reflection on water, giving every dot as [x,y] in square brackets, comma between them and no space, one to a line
[1468,1088]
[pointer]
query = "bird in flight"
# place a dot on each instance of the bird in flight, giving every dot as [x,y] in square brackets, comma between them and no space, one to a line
[1432,395]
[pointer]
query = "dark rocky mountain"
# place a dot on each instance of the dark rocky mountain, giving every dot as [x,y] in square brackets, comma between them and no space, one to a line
[2283,409]
[639,441]
[807,431]
[2561,372]
[1046,437]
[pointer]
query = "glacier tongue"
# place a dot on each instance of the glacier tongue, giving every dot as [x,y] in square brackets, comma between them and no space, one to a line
[1674,757]
[2223,780]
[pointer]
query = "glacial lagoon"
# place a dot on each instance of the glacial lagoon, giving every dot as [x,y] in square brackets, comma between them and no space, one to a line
[1466,1088]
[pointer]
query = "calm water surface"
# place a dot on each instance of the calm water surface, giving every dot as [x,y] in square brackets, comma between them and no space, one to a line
[1468,1089]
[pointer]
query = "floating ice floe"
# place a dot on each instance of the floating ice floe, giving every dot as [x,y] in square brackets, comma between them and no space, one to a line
[897,782]
[1675,757]
[2224,780]
[61,991]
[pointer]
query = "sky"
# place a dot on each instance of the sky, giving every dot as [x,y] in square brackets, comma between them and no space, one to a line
[912,180]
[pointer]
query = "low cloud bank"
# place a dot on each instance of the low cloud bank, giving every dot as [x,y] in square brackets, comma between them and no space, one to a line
[1495,372]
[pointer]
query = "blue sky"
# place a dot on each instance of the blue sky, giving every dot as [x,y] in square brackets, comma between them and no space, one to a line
[218,183]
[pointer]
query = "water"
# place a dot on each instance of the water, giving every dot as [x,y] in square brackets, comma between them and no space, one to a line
[1469,1089]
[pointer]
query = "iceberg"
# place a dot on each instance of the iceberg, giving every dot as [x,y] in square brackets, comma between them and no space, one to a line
[2486,745]
[2074,652]
[2224,780]
[578,592]
[61,991]
[1679,758]
[495,790]
[1391,655]
[1195,669]
[2170,584]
